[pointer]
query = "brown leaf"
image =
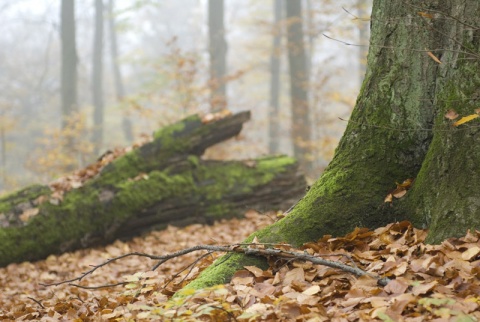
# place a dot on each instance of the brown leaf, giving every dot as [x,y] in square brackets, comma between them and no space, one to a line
[29,213]
[471,253]
[423,288]
[425,15]
[429,53]
[451,114]
[389,198]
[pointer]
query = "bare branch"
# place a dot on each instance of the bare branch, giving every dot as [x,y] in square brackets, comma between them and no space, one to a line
[408,49]
[235,248]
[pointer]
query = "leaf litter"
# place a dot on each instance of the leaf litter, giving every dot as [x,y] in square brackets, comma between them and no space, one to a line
[428,282]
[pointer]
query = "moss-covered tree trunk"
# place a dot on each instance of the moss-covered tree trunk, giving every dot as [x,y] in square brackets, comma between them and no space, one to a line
[162,182]
[401,107]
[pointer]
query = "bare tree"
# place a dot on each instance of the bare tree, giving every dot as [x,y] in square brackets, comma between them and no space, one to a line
[218,55]
[275,58]
[117,74]
[69,60]
[97,78]
[298,84]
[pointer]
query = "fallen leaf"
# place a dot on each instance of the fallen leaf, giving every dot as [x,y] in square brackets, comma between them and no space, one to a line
[389,198]
[425,15]
[451,114]
[471,253]
[465,119]
[429,53]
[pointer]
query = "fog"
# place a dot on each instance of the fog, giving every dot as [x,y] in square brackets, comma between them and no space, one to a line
[163,56]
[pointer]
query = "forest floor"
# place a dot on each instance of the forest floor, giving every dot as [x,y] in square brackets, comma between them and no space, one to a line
[428,282]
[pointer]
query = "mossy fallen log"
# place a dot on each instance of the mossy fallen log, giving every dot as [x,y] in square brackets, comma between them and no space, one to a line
[162,182]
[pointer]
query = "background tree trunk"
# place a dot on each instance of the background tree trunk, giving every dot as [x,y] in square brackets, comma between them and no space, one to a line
[162,182]
[301,136]
[117,74]
[275,59]
[218,55]
[69,60]
[97,78]
[389,136]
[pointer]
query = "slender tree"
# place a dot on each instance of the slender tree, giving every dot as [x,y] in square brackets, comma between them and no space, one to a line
[298,84]
[218,55]
[69,60]
[275,59]
[97,78]
[423,63]
[117,73]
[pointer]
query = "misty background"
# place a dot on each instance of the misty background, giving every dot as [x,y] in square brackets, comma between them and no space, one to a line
[162,60]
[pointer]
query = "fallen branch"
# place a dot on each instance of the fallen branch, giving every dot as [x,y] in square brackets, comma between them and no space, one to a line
[234,248]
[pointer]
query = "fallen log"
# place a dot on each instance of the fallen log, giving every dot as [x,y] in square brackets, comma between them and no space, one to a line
[163,182]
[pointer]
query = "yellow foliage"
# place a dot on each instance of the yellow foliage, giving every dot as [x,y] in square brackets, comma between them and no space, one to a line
[62,150]
[465,119]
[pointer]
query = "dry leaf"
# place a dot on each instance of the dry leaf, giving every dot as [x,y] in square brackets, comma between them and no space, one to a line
[388,198]
[425,15]
[27,214]
[451,114]
[471,253]
[429,53]
[465,119]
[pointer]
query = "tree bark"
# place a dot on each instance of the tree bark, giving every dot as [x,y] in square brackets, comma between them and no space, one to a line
[218,55]
[397,131]
[275,59]
[97,78]
[163,182]
[69,60]
[300,134]
[363,36]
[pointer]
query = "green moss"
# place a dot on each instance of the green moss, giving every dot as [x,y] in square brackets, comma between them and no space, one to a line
[89,213]
[26,194]
[221,271]
[168,142]
[443,198]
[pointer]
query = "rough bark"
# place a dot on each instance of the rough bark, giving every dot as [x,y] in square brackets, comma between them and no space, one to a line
[363,35]
[445,195]
[97,78]
[218,55]
[388,139]
[176,187]
[69,60]
[297,63]
[275,59]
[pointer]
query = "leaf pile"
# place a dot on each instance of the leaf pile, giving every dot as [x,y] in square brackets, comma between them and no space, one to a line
[429,282]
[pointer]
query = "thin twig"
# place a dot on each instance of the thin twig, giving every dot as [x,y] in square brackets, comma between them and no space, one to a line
[191,266]
[98,287]
[405,48]
[236,248]
[36,301]
[410,129]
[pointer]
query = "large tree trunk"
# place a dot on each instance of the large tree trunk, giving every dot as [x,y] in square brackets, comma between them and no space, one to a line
[162,182]
[97,78]
[69,60]
[401,106]
[297,62]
